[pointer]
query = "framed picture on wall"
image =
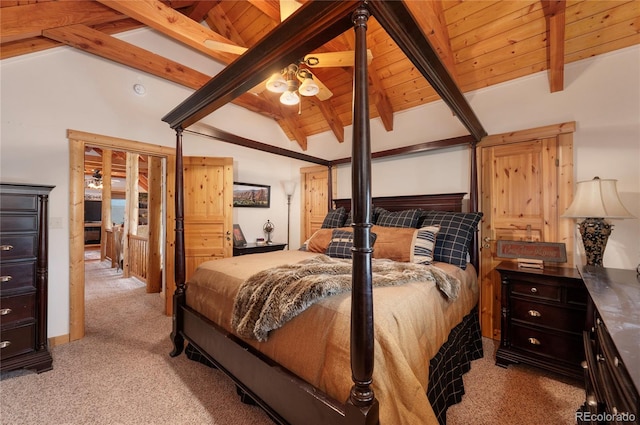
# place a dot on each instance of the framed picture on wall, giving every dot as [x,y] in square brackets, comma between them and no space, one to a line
[238,236]
[251,195]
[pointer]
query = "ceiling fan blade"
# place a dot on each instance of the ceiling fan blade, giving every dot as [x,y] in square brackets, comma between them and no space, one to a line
[333,59]
[225,47]
[324,92]
[287,7]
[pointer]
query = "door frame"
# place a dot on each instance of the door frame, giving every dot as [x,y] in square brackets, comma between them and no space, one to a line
[563,132]
[77,142]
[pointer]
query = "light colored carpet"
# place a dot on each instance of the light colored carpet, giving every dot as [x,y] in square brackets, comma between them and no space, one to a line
[121,373]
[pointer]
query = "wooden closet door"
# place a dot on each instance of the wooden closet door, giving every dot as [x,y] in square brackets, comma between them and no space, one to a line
[315,202]
[519,202]
[208,210]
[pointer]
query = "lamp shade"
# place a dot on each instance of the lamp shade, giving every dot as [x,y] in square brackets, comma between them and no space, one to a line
[290,98]
[308,87]
[597,198]
[289,187]
[276,83]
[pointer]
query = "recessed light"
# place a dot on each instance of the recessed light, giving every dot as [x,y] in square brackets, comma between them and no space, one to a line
[139,89]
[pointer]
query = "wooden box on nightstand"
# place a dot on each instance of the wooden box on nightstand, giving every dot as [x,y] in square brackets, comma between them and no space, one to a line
[543,317]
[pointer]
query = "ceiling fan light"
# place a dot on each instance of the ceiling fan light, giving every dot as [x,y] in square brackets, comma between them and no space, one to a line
[276,83]
[309,87]
[289,98]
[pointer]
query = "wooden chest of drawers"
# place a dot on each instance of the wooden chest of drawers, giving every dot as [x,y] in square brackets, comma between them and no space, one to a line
[23,277]
[543,317]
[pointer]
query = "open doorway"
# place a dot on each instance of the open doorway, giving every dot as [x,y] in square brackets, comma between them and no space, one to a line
[78,142]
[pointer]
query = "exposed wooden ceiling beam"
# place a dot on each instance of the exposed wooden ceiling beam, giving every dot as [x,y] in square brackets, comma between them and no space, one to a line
[555,18]
[172,23]
[198,12]
[27,21]
[332,118]
[271,8]
[108,47]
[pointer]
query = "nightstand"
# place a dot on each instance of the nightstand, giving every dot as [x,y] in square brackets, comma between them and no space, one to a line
[252,248]
[543,317]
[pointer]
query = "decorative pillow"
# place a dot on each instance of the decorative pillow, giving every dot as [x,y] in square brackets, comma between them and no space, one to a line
[406,218]
[334,218]
[424,244]
[454,237]
[319,241]
[394,243]
[342,242]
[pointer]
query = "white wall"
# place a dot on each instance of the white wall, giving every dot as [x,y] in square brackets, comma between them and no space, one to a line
[44,94]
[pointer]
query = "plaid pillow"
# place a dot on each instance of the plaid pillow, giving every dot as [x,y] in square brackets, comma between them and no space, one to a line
[406,218]
[424,244]
[334,218]
[454,237]
[342,242]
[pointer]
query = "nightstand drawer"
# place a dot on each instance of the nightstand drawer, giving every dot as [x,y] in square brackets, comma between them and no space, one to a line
[16,341]
[18,246]
[535,290]
[554,317]
[17,308]
[19,275]
[558,346]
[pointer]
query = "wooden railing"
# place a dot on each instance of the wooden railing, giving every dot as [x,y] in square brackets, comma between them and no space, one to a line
[138,256]
[108,241]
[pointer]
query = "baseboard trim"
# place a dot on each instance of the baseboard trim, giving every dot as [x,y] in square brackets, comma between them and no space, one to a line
[59,340]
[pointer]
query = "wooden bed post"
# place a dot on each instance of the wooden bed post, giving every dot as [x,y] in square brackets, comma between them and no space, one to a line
[362,342]
[330,186]
[179,295]
[473,205]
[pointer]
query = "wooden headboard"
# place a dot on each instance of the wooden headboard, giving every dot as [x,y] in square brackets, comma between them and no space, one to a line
[441,202]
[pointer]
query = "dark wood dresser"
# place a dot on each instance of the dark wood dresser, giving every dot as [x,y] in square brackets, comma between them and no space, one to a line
[543,317]
[23,277]
[612,347]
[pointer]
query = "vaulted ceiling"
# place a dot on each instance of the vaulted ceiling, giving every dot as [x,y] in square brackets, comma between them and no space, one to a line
[481,43]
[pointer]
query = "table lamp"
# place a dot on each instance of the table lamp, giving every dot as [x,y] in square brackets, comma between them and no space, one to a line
[594,201]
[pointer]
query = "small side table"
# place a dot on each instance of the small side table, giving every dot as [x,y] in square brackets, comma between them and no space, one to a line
[252,248]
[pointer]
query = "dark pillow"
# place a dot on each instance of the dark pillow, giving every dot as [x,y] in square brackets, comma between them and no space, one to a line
[406,218]
[454,237]
[334,218]
[342,242]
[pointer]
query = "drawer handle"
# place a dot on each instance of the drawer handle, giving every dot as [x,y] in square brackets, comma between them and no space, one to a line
[534,290]
[5,344]
[5,311]
[600,358]
[6,247]
[616,362]
[534,341]
[4,279]
[535,313]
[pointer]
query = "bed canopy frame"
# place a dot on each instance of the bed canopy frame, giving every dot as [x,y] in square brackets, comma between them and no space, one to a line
[316,23]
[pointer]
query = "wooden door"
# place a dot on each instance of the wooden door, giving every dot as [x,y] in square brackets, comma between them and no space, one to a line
[522,198]
[208,210]
[315,198]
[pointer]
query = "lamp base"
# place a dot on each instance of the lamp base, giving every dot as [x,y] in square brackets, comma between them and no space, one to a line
[595,234]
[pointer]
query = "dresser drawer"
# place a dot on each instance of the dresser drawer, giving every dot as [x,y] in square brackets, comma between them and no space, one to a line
[558,346]
[535,290]
[18,246]
[17,308]
[19,223]
[18,340]
[550,316]
[18,202]
[19,275]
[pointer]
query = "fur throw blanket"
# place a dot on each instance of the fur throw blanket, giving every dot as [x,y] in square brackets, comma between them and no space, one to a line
[268,299]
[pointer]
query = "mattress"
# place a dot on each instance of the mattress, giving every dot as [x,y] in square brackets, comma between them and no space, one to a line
[411,322]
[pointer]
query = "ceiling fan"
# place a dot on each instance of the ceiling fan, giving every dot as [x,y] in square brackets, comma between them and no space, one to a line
[296,77]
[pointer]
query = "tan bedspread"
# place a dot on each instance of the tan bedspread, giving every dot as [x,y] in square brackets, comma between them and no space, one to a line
[411,322]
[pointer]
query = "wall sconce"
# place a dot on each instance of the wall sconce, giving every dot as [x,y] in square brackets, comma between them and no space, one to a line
[289,190]
[594,201]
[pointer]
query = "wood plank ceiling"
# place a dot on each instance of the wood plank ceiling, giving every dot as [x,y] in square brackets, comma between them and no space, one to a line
[482,43]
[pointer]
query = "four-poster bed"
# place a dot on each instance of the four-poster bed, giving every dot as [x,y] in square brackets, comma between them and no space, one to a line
[281,392]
